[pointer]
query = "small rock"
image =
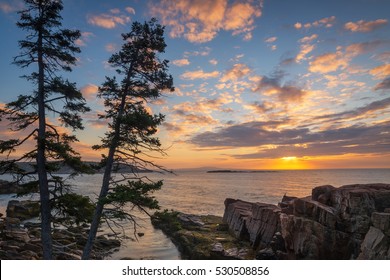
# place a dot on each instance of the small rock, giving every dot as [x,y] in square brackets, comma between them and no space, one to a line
[190,220]
[217,248]
[266,254]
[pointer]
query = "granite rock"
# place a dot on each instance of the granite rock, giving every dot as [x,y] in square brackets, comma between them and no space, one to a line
[348,222]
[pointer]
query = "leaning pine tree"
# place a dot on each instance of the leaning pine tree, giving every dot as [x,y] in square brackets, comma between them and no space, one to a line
[131,127]
[42,148]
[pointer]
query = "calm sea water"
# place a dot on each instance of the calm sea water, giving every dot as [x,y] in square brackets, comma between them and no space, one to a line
[199,192]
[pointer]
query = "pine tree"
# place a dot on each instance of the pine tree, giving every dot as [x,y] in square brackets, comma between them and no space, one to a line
[131,127]
[47,50]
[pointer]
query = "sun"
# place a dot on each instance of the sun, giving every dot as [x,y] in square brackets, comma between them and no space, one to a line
[289,158]
[291,162]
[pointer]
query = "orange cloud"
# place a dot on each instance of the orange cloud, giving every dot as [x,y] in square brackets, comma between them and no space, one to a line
[326,22]
[10,8]
[381,71]
[181,62]
[298,25]
[84,38]
[305,50]
[308,39]
[111,47]
[200,20]
[238,71]
[329,62]
[89,91]
[110,20]
[130,10]
[365,26]
[199,74]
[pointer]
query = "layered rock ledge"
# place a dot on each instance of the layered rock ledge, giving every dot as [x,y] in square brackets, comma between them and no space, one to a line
[350,222]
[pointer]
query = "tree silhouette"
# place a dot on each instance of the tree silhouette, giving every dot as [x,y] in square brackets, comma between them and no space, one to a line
[131,127]
[47,50]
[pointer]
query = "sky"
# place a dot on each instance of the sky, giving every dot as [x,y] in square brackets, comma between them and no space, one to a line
[267,84]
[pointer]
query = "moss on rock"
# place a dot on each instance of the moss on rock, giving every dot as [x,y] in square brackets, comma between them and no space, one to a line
[201,236]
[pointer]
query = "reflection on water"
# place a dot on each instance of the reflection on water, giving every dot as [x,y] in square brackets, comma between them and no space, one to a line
[204,193]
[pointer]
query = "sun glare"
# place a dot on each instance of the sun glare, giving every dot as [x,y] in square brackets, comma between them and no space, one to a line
[289,158]
[291,163]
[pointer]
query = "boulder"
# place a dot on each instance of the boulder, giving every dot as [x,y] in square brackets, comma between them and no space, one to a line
[23,210]
[9,187]
[322,194]
[237,215]
[263,224]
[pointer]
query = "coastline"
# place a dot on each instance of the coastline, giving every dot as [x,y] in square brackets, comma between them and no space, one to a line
[349,222]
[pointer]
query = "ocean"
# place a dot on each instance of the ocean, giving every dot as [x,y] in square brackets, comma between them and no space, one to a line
[199,192]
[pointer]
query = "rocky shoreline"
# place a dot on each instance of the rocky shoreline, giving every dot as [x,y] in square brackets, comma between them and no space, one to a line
[349,222]
[20,234]
[22,242]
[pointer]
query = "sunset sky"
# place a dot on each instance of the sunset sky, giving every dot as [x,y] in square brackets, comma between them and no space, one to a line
[270,84]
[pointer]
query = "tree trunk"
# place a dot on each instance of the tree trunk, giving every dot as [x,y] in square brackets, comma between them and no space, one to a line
[105,185]
[41,161]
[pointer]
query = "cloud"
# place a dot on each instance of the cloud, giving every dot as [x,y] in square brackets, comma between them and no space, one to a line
[238,71]
[326,22]
[200,21]
[298,25]
[199,74]
[329,62]
[361,139]
[261,107]
[204,51]
[85,36]
[385,84]
[111,19]
[130,10]
[308,39]
[213,61]
[271,39]
[362,48]
[273,85]
[14,6]
[381,71]
[181,62]
[172,127]
[305,50]
[383,57]
[111,47]
[365,26]
[89,91]
[360,112]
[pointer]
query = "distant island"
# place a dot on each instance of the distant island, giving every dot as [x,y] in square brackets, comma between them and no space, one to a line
[241,171]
